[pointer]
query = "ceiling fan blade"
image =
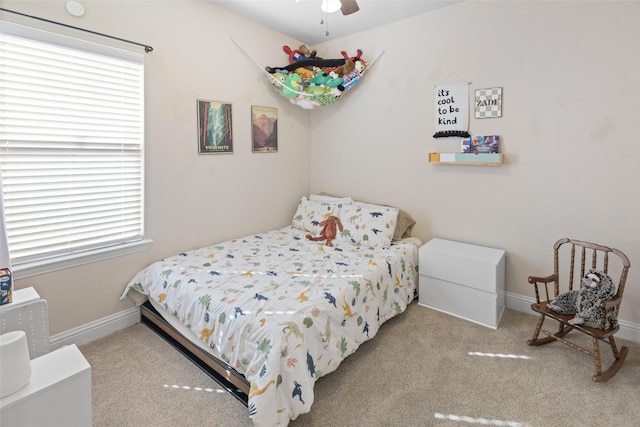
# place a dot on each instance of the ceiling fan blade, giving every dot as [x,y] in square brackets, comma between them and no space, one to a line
[349,6]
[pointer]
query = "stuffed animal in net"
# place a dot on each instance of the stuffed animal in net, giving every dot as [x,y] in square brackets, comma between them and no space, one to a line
[586,303]
[329,230]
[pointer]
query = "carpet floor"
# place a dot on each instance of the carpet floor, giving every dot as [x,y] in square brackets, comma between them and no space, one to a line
[424,368]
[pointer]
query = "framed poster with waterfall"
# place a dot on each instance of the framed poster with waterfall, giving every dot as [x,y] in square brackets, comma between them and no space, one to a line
[264,129]
[215,133]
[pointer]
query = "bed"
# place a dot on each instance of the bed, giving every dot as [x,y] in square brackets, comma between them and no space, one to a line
[278,310]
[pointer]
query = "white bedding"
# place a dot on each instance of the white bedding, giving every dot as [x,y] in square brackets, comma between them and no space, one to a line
[282,310]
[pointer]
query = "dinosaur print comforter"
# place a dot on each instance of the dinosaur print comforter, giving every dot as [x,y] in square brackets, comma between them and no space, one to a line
[283,310]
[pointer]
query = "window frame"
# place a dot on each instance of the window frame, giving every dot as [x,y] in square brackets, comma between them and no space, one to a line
[74,257]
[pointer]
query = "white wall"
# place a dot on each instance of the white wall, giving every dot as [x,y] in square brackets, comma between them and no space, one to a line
[191,200]
[569,72]
[570,76]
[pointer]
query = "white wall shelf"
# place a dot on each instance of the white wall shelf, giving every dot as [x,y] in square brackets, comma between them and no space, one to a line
[480,159]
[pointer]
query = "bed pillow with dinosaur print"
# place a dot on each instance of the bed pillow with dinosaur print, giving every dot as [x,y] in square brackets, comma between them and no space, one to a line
[368,225]
[310,214]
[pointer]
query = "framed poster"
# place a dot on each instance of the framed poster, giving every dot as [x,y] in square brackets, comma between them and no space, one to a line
[264,129]
[214,127]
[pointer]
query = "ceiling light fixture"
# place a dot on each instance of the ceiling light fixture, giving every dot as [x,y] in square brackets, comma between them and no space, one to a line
[330,6]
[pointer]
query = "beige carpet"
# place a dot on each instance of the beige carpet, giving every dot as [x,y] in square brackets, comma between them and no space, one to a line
[424,368]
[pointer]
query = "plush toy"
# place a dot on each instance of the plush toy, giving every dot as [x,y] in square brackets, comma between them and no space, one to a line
[330,79]
[348,80]
[334,80]
[279,81]
[308,53]
[294,55]
[585,302]
[305,73]
[358,55]
[345,69]
[319,78]
[309,63]
[329,231]
[317,90]
[358,63]
[291,85]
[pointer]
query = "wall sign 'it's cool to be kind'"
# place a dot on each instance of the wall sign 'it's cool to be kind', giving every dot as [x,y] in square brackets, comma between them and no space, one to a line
[452,110]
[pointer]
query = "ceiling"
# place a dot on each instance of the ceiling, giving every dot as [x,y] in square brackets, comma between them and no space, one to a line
[301,19]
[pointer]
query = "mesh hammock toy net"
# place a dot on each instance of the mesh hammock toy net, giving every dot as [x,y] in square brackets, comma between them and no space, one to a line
[311,82]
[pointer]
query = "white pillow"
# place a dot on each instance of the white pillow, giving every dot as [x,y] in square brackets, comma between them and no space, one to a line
[368,225]
[330,199]
[310,213]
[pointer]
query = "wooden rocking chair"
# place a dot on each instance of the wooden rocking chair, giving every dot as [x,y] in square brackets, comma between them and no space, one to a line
[565,264]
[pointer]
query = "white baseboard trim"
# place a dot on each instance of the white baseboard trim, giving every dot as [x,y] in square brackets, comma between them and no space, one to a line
[96,329]
[628,330]
[110,324]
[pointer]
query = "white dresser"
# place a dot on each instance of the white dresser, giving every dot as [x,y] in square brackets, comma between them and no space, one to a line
[58,393]
[463,280]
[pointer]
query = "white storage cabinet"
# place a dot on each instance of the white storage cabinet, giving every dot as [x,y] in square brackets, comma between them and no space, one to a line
[58,393]
[463,280]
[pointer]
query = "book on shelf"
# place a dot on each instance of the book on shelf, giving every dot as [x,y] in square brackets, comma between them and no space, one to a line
[481,144]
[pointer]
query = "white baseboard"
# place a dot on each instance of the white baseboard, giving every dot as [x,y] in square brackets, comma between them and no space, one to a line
[96,329]
[110,324]
[628,330]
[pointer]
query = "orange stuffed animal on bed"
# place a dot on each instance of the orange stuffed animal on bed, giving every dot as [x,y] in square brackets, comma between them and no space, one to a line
[329,230]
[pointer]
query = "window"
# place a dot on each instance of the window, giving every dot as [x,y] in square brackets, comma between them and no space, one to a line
[71,149]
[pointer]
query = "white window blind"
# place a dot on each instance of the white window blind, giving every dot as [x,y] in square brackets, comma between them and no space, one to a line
[71,144]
